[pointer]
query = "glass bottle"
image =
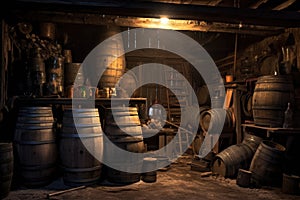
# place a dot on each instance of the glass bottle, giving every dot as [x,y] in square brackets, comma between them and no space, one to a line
[288,117]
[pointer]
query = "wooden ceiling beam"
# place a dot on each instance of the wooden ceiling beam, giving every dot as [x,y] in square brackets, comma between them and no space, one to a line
[136,22]
[173,11]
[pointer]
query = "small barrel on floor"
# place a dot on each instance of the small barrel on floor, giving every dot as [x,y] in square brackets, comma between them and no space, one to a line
[230,160]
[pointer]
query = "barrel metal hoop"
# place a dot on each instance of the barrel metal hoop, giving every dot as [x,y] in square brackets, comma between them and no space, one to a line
[286,90]
[67,169]
[38,167]
[80,135]
[267,108]
[36,142]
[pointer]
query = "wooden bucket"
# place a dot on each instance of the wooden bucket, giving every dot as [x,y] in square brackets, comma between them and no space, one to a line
[129,123]
[290,184]
[79,165]
[267,164]
[6,168]
[243,178]
[35,145]
[148,175]
[270,99]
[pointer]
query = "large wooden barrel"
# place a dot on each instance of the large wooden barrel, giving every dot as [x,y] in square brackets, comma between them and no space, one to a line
[230,160]
[270,99]
[129,123]
[6,168]
[214,116]
[36,146]
[114,64]
[267,164]
[80,167]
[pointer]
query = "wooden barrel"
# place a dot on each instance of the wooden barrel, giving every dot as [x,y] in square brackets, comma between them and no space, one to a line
[203,96]
[252,141]
[6,168]
[79,165]
[230,160]
[270,99]
[35,145]
[129,123]
[267,164]
[214,116]
[114,64]
[246,104]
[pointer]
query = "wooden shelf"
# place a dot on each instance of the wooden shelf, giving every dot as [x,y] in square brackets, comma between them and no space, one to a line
[68,101]
[273,130]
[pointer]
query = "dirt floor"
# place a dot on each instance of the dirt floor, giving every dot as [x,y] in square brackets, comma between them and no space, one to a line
[178,182]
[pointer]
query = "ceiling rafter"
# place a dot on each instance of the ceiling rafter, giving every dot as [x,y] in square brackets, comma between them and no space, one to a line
[258,3]
[284,5]
[189,25]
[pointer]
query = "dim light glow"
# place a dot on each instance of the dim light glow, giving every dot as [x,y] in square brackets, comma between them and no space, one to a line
[164,20]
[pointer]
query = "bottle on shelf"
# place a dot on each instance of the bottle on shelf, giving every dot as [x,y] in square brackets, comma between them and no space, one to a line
[288,117]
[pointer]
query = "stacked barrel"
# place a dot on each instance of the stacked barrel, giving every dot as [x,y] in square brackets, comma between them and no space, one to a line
[270,99]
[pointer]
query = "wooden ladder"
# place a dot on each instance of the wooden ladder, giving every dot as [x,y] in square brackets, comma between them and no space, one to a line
[176,101]
[180,97]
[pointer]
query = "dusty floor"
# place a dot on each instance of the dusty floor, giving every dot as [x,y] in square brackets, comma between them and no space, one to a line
[179,182]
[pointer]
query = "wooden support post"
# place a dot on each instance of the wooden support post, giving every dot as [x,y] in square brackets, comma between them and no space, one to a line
[237,114]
